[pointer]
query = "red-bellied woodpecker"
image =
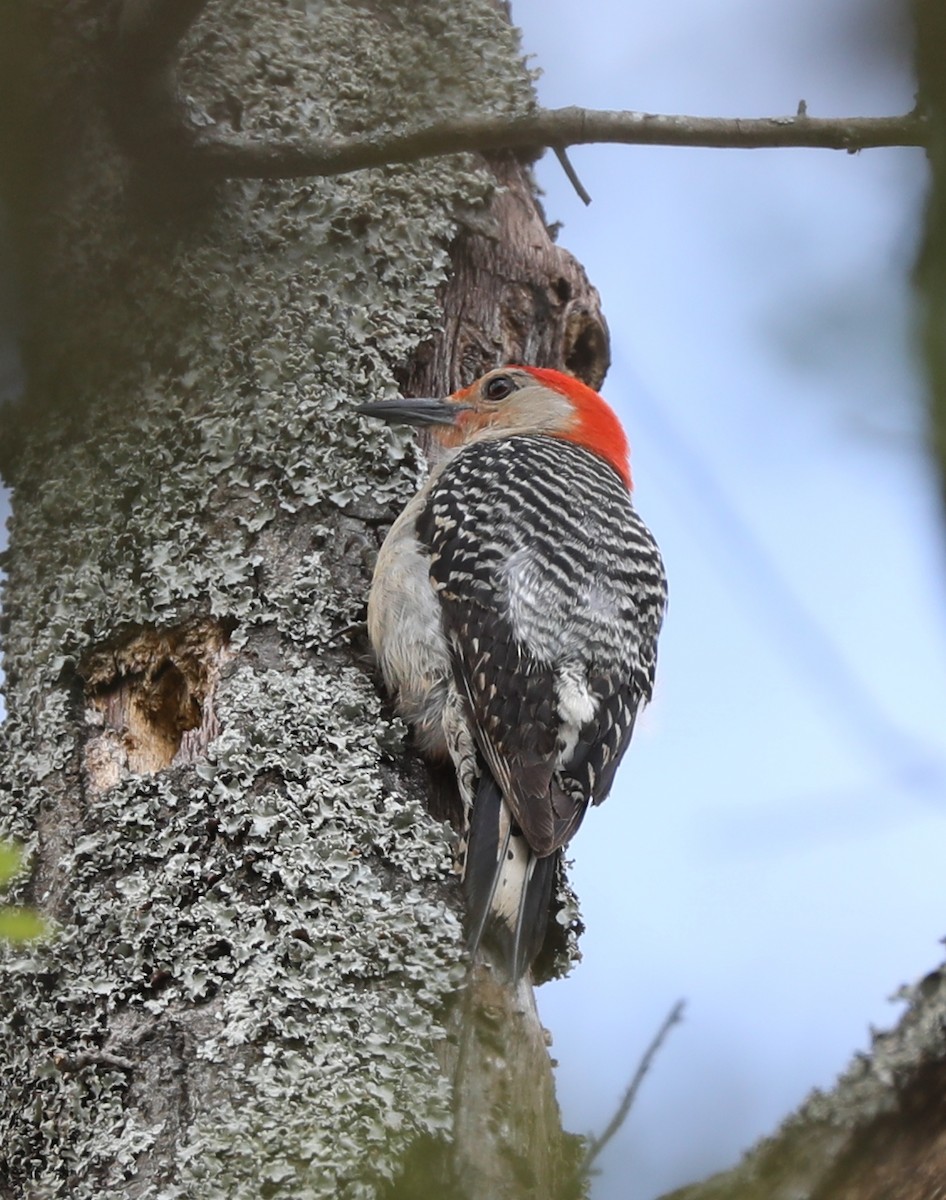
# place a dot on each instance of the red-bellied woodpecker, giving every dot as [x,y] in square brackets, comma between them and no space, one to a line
[514,613]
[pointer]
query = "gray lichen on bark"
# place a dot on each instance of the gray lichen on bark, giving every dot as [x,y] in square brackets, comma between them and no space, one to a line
[186,454]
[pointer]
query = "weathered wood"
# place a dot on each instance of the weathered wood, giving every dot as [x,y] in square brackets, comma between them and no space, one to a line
[152,697]
[513,296]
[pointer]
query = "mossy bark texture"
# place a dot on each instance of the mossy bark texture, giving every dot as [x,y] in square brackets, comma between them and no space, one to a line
[253,986]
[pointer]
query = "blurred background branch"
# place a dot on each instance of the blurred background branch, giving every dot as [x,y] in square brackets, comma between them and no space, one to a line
[930,18]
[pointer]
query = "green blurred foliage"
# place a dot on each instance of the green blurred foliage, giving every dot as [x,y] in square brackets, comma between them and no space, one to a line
[17,924]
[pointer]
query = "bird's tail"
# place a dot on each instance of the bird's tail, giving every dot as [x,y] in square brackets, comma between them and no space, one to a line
[508,889]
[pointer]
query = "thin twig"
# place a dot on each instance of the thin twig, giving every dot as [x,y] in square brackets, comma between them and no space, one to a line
[359,627]
[223,155]
[562,155]
[672,1018]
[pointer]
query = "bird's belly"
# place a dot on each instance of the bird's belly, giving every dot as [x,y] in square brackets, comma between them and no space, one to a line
[404,625]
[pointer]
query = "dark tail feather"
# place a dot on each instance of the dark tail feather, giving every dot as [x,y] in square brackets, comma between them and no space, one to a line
[533,914]
[487,846]
[508,889]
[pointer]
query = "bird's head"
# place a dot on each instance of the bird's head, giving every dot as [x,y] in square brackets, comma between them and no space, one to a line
[516,400]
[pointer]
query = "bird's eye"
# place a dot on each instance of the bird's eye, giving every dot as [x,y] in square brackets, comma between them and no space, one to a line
[498,388]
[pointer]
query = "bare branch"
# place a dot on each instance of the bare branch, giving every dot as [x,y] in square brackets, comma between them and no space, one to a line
[148,107]
[224,155]
[674,1017]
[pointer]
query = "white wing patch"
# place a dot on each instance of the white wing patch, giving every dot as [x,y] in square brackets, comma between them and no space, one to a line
[527,591]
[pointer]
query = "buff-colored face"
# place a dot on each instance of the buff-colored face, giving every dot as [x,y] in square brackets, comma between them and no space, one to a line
[505,401]
[515,400]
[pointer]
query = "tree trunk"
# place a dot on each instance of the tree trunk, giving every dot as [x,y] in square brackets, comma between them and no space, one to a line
[258,985]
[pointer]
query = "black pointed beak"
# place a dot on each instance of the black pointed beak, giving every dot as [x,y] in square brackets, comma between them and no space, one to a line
[422,410]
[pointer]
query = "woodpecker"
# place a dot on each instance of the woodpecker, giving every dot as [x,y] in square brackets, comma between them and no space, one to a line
[514,614]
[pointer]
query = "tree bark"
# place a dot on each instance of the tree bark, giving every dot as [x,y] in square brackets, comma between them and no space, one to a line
[258,984]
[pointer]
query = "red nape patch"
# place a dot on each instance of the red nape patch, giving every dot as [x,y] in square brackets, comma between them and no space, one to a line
[597,427]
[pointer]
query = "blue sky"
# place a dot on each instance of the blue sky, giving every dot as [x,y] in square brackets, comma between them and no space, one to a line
[772,851]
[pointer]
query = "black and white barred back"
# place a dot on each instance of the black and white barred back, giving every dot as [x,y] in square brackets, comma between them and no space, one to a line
[552,593]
